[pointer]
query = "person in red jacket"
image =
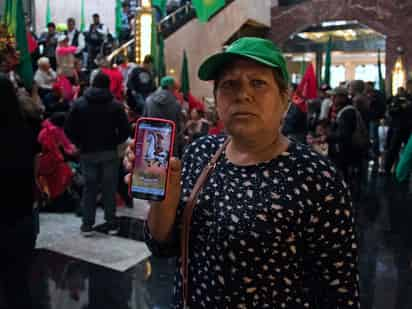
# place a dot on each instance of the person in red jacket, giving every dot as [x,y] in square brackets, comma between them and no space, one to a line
[116,82]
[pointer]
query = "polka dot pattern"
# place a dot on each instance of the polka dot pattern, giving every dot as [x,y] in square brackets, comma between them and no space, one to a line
[278,234]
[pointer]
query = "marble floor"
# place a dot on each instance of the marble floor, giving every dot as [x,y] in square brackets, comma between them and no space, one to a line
[89,277]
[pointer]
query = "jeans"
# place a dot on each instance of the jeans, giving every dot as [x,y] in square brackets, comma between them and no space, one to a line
[100,168]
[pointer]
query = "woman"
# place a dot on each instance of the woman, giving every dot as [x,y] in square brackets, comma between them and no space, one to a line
[65,59]
[273,225]
[17,231]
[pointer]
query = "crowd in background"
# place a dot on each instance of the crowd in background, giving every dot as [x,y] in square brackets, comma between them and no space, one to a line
[356,126]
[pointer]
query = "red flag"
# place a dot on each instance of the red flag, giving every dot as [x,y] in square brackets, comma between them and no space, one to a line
[307,89]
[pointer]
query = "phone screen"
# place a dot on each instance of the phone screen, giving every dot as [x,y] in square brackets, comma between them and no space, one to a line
[153,147]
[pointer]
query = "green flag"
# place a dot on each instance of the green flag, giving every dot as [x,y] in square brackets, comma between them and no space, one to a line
[9,16]
[302,67]
[205,9]
[157,51]
[48,13]
[328,62]
[118,15]
[7,7]
[24,68]
[161,6]
[184,76]
[82,17]
[380,76]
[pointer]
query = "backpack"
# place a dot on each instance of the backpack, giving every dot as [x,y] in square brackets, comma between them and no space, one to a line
[360,136]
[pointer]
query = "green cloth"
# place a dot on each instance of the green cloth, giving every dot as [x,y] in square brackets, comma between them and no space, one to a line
[118,17]
[157,51]
[380,78]
[328,62]
[205,9]
[16,25]
[25,68]
[260,50]
[161,5]
[184,76]
[404,167]
[82,18]
[48,13]
[6,13]
[167,81]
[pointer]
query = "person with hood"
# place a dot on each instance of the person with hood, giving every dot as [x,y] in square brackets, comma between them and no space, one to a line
[97,124]
[163,104]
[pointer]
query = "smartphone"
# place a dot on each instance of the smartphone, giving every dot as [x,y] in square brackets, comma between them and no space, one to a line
[154,139]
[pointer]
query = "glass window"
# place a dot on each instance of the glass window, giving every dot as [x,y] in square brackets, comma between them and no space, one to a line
[369,72]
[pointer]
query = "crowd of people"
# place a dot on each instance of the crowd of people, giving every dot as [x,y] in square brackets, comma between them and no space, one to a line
[74,124]
[356,126]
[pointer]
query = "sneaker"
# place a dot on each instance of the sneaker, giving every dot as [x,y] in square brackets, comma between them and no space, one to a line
[86,230]
[112,228]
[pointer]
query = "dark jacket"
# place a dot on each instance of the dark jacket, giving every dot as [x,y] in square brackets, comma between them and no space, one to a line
[295,124]
[377,105]
[141,81]
[400,110]
[17,173]
[163,104]
[341,148]
[96,122]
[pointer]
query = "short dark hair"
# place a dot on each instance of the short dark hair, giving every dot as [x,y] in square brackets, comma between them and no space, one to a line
[148,59]
[96,15]
[71,19]
[101,81]
[51,24]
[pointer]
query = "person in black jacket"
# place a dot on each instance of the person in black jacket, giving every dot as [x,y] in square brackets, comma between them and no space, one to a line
[377,109]
[400,125]
[17,222]
[97,125]
[342,151]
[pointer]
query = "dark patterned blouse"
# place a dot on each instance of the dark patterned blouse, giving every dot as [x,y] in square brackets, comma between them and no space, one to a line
[279,234]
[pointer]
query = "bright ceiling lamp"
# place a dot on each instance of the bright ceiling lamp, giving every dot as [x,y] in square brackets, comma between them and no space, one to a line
[398,75]
[144,20]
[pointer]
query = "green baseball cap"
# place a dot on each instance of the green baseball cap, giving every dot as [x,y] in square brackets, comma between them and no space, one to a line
[167,81]
[260,50]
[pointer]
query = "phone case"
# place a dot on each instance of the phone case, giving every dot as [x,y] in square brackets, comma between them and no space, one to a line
[171,149]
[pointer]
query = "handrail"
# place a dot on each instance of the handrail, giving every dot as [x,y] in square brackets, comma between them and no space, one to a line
[120,49]
[188,7]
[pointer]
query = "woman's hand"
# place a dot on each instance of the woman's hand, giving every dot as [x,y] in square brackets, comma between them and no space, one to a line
[162,214]
[173,185]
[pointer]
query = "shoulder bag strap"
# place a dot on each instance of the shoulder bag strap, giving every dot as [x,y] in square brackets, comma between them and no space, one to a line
[187,217]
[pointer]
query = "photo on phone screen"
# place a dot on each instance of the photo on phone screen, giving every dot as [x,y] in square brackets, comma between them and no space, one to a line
[154,142]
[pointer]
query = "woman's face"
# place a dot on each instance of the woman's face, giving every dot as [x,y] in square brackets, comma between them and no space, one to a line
[249,101]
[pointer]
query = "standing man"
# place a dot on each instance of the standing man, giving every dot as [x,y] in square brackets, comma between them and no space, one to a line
[400,128]
[377,109]
[97,125]
[49,41]
[163,104]
[96,36]
[140,84]
[126,29]
[75,37]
